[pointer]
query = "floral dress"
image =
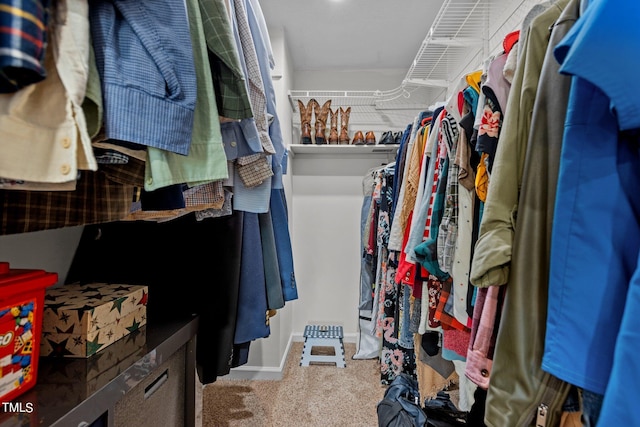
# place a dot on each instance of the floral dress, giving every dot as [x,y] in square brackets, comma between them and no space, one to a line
[394,358]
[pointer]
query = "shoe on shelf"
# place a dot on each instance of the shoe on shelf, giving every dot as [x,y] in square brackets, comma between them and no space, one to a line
[398,137]
[370,138]
[387,138]
[358,138]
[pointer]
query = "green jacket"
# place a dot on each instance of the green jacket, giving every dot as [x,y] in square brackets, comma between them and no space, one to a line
[523,187]
[519,390]
[494,246]
[206,161]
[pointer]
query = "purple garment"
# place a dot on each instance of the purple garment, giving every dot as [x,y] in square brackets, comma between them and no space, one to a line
[496,83]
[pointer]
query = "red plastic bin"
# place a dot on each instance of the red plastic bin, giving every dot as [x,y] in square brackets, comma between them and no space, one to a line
[21,304]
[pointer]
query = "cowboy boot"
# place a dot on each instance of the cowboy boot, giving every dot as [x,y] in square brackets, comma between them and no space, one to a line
[321,121]
[333,132]
[305,121]
[358,138]
[370,138]
[344,124]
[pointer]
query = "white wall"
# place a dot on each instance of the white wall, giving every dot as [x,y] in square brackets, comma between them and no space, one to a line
[327,199]
[282,81]
[49,250]
[349,80]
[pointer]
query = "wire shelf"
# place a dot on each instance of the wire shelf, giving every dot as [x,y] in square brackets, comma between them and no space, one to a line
[463,35]
[391,109]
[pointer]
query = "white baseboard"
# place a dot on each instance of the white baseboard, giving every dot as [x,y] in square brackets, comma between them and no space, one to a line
[274,372]
[271,373]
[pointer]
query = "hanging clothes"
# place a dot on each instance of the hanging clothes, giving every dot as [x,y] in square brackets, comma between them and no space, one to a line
[488,302]
[396,232]
[45,141]
[280,222]
[99,197]
[593,352]
[252,172]
[155,107]
[394,358]
[206,160]
[232,98]
[252,318]
[368,344]
[417,230]
[23,43]
[150,140]
[412,195]
[518,385]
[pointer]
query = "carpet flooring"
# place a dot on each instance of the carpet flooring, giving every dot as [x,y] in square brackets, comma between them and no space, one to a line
[316,395]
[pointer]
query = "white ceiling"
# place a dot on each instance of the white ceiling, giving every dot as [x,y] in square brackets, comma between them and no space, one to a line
[351,35]
[351,43]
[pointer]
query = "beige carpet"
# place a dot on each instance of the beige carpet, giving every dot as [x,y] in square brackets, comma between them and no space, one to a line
[316,395]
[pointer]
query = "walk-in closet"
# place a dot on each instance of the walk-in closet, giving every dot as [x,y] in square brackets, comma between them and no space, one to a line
[230,213]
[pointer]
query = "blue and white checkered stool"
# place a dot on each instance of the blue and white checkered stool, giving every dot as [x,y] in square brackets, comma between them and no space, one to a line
[323,336]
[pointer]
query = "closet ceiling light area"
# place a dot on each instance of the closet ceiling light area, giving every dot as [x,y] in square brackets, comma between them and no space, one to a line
[325,35]
[428,44]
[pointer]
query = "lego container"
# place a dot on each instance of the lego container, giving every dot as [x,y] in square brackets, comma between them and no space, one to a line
[21,307]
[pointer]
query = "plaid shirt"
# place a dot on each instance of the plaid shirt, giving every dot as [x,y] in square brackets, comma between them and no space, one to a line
[444,309]
[256,86]
[98,198]
[228,79]
[23,40]
[199,198]
[484,332]
[256,172]
[448,233]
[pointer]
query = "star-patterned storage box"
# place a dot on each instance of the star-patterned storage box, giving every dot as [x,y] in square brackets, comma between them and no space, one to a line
[81,320]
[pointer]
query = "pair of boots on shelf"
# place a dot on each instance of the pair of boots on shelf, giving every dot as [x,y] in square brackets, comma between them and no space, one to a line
[321,114]
[341,137]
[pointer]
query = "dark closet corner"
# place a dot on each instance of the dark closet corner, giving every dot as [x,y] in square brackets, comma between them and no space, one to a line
[183,262]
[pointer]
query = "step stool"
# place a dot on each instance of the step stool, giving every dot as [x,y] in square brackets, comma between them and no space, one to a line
[323,336]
